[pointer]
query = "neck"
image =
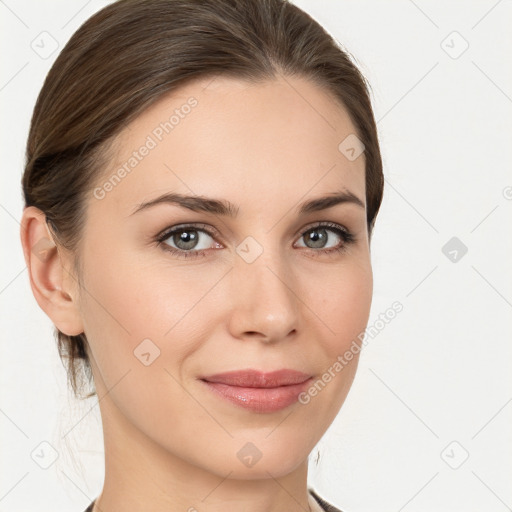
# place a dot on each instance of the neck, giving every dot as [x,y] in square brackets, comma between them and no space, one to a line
[142,475]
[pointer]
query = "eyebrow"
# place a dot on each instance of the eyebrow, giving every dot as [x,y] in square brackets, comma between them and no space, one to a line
[225,208]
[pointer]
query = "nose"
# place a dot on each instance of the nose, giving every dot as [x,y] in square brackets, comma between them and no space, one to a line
[264,304]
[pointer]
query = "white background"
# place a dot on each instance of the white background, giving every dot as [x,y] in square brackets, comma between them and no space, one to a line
[434,386]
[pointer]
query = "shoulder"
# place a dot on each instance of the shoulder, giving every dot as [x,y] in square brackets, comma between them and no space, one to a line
[328,507]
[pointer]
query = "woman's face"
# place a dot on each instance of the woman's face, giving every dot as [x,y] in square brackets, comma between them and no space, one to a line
[254,287]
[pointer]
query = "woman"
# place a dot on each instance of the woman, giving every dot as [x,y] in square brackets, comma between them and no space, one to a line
[201,185]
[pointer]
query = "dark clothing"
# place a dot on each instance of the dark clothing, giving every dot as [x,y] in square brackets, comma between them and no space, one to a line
[328,507]
[324,504]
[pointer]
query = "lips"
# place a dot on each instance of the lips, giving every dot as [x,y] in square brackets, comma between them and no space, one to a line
[262,392]
[257,379]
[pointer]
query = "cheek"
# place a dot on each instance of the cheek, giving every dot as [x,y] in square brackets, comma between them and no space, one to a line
[142,324]
[133,308]
[340,300]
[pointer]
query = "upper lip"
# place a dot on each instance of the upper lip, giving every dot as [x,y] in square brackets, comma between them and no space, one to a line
[259,379]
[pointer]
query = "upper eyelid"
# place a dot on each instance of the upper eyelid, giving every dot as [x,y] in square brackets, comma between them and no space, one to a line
[209,230]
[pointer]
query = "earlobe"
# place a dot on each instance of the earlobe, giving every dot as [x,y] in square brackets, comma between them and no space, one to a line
[48,273]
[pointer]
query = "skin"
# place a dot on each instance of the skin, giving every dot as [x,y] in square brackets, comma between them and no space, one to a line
[171,444]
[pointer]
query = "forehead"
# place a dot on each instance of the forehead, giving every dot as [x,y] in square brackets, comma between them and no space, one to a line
[225,137]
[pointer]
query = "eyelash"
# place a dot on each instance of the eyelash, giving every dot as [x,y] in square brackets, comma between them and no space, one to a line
[347,237]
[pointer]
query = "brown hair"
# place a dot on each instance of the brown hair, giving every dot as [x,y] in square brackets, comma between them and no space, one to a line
[131,53]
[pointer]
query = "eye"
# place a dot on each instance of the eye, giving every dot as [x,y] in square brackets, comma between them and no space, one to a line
[321,237]
[188,240]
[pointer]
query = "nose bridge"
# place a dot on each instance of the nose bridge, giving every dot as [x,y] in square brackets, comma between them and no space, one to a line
[264,301]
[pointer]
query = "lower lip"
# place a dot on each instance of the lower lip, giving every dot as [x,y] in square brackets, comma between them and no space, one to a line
[259,399]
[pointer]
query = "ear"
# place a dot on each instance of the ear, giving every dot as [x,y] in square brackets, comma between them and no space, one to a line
[54,286]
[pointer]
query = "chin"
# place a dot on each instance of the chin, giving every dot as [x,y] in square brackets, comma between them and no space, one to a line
[273,461]
[261,470]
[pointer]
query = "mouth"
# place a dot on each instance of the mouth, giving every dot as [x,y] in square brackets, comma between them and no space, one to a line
[262,392]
